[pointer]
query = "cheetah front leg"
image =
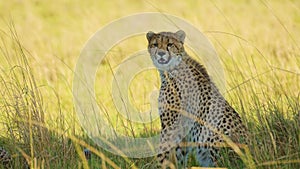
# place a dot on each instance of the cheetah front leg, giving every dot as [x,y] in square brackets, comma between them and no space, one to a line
[173,138]
[179,158]
[167,142]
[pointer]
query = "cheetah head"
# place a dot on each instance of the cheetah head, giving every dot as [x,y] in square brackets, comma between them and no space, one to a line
[166,49]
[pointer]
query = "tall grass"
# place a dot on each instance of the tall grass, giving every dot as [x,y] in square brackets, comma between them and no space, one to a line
[22,105]
[33,142]
[258,43]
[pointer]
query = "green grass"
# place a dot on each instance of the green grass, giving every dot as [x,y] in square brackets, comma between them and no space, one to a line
[258,43]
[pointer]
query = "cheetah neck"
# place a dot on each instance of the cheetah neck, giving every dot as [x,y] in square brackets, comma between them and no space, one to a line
[186,65]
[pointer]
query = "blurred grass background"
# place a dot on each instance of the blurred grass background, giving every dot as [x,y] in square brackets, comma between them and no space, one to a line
[258,43]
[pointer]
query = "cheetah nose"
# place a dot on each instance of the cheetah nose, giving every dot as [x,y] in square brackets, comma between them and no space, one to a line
[161,53]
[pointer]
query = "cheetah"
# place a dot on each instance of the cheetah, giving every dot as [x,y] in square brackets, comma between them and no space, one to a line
[191,108]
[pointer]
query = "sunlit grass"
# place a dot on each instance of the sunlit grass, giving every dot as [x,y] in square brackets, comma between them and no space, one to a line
[258,43]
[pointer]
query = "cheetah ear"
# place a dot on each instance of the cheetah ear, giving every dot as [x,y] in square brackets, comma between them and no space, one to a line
[150,35]
[181,35]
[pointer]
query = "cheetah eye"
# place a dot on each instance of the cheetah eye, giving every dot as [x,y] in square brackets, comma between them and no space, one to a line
[170,44]
[154,44]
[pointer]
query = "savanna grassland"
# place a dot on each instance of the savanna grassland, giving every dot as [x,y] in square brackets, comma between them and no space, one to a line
[258,43]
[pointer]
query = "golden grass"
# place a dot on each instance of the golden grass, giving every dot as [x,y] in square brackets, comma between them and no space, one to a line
[258,43]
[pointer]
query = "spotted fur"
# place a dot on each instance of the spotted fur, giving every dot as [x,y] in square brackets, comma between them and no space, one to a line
[191,108]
